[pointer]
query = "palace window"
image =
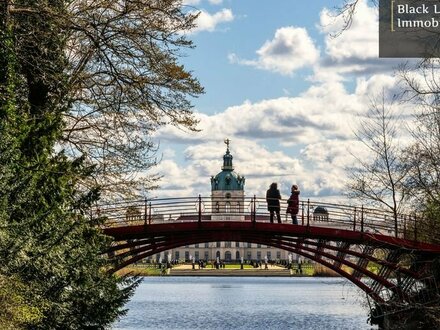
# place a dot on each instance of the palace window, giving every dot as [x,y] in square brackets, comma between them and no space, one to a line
[228,256]
[227,207]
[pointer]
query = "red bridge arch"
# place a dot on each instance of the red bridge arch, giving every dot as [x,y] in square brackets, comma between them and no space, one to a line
[347,241]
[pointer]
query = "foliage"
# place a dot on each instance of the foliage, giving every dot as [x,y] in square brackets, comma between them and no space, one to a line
[20,307]
[50,251]
[122,75]
[83,85]
[428,229]
[125,83]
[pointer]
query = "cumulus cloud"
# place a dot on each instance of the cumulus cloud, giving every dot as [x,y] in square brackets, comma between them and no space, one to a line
[289,50]
[196,2]
[360,41]
[318,113]
[305,139]
[259,164]
[208,22]
[312,137]
[355,51]
[204,160]
[190,2]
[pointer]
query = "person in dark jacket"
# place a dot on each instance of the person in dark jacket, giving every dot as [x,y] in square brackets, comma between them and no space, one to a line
[273,197]
[293,204]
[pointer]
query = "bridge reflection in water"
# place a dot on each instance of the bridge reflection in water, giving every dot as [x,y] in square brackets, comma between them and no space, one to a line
[343,238]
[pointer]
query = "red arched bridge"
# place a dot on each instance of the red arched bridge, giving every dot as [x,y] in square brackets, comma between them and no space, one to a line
[349,240]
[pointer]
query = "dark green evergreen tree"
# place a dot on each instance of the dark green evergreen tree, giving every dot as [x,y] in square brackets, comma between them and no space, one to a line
[50,245]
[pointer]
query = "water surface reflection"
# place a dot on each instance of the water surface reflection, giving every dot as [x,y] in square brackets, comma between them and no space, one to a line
[245,303]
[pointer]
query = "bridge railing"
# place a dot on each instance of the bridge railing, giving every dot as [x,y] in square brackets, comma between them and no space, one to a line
[311,213]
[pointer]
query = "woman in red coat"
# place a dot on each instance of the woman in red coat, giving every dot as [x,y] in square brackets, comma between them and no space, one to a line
[293,204]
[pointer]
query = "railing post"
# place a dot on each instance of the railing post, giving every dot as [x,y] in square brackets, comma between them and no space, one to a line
[255,209]
[404,227]
[362,219]
[396,228]
[149,214]
[415,227]
[354,219]
[302,213]
[308,211]
[252,209]
[145,211]
[200,208]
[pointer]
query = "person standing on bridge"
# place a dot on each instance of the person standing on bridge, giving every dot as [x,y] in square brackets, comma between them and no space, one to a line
[273,197]
[293,204]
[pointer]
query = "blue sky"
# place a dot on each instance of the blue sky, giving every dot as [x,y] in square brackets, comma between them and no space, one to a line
[287,94]
[255,22]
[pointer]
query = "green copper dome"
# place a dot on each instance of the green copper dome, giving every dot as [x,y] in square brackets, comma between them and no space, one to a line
[227,179]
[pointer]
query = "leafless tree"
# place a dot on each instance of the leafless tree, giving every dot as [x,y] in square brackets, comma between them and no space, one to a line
[379,178]
[346,11]
[421,85]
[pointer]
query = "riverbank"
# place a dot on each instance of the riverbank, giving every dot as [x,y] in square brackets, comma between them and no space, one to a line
[187,270]
[231,270]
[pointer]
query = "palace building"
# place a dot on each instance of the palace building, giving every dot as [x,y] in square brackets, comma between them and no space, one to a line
[228,204]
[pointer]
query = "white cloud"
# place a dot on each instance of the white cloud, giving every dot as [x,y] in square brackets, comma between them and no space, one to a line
[260,166]
[355,51]
[304,139]
[190,2]
[209,22]
[352,52]
[289,50]
[317,114]
[196,2]
[360,41]
[312,134]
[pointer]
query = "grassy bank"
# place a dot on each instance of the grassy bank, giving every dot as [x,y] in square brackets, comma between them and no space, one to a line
[139,271]
[306,270]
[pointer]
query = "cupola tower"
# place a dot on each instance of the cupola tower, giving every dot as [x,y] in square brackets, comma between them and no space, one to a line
[227,188]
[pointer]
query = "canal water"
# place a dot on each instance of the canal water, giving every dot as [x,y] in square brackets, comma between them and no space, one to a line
[245,303]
